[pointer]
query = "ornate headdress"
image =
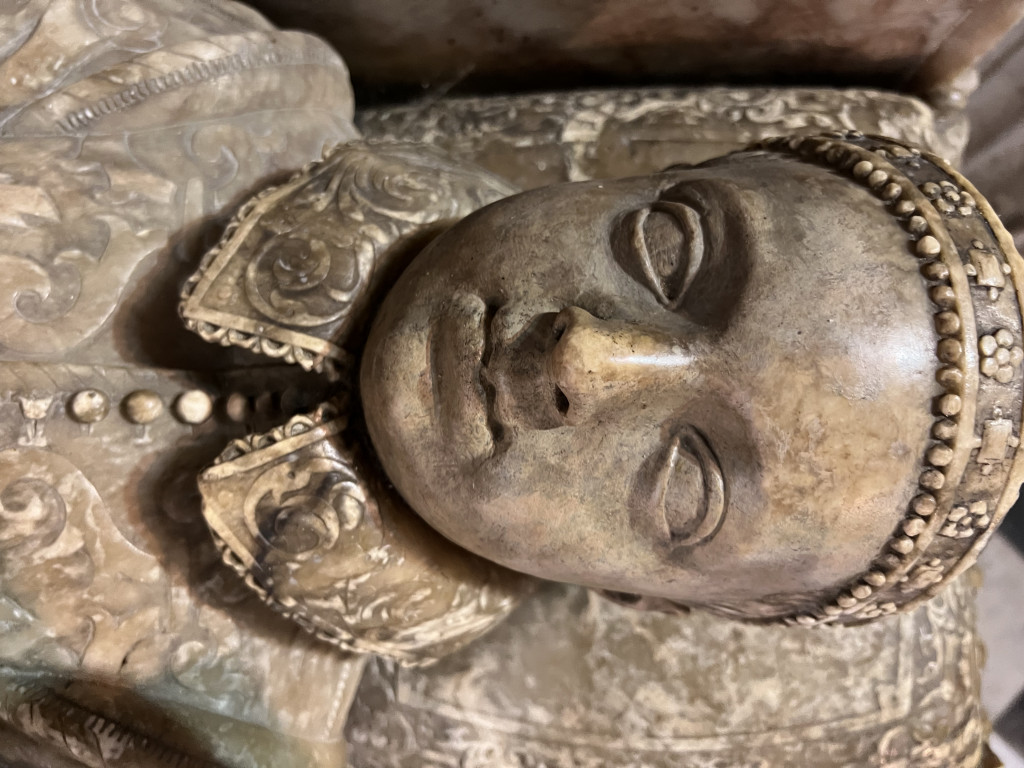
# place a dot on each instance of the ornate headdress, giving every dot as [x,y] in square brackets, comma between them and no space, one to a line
[972,469]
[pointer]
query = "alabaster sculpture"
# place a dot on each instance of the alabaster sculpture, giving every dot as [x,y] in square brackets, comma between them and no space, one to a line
[744,386]
[779,387]
[131,132]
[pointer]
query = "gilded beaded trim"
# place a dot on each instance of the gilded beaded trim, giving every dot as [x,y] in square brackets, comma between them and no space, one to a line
[973,275]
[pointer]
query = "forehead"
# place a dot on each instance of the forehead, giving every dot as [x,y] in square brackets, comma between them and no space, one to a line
[829,355]
[830,284]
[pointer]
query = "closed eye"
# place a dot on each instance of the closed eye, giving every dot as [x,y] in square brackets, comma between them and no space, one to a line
[667,242]
[688,499]
[691,248]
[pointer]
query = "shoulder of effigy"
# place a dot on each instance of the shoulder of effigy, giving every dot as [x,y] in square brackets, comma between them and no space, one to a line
[226,77]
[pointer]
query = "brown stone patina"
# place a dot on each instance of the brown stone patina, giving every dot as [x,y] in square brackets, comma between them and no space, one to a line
[637,388]
[745,386]
[713,385]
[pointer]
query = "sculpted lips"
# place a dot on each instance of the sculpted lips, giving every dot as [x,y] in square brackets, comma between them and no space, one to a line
[457,347]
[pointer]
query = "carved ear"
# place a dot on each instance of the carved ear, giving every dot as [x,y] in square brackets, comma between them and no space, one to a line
[299,264]
[327,544]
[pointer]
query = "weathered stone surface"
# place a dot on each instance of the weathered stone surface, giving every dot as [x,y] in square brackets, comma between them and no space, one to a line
[555,43]
[572,680]
[547,138]
[126,641]
[636,404]
[130,131]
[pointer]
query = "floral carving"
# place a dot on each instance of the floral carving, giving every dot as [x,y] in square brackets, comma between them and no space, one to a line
[1000,357]
[965,520]
[593,134]
[33,515]
[343,558]
[307,281]
[892,694]
[115,163]
[923,575]
[84,215]
[309,254]
[301,509]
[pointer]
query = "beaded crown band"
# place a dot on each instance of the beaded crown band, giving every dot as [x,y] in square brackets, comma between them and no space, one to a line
[972,469]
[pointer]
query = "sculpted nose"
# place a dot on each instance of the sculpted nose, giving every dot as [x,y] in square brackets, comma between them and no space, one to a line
[600,364]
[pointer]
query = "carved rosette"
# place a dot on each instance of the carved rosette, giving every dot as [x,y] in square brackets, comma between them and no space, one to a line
[295,269]
[972,471]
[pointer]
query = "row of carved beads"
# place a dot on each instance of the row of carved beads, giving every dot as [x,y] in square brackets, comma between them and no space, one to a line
[863,167]
[193,406]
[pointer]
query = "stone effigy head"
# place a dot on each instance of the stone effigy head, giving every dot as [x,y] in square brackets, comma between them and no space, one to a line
[784,384]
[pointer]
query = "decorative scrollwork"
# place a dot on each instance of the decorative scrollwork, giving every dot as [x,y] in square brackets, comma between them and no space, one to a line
[33,514]
[296,266]
[664,691]
[326,545]
[301,510]
[308,281]
[392,186]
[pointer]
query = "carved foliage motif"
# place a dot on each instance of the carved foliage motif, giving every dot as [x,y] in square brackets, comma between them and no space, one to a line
[108,573]
[56,537]
[1000,357]
[349,563]
[548,138]
[88,186]
[127,29]
[302,511]
[299,262]
[128,126]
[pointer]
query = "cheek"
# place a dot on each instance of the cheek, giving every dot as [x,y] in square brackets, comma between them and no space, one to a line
[564,485]
[571,264]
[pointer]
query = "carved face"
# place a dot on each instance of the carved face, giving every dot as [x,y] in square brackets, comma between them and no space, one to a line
[712,385]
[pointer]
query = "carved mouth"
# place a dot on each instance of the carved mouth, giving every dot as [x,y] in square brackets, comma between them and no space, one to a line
[459,346]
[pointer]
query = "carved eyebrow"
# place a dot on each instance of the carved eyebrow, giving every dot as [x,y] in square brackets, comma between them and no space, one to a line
[724,272]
